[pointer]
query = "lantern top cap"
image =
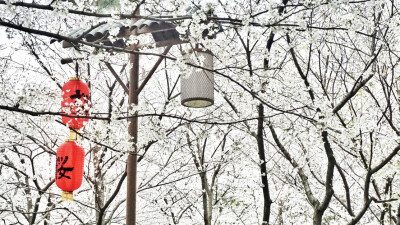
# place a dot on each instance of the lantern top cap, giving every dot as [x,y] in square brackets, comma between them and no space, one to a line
[70,140]
[75,78]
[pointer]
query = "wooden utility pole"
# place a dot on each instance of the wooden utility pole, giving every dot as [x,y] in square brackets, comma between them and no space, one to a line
[131,164]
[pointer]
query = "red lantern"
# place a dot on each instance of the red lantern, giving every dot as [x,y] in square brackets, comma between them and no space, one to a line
[69,168]
[75,94]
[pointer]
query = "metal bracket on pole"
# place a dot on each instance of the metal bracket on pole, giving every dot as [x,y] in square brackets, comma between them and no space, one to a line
[151,72]
[117,77]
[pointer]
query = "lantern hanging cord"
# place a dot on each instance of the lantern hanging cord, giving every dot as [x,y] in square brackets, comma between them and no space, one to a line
[77,69]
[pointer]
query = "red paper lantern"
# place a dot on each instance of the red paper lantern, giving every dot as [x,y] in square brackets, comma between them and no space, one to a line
[69,168]
[75,94]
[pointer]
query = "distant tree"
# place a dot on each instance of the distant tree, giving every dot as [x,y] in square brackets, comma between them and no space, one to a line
[304,128]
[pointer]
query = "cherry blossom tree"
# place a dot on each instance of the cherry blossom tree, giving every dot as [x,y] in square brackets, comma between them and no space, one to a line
[303,130]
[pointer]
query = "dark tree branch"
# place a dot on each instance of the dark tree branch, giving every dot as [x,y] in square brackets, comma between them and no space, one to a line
[358,85]
[346,188]
[302,75]
[371,171]
[263,166]
[304,178]
[109,201]
[34,113]
[329,180]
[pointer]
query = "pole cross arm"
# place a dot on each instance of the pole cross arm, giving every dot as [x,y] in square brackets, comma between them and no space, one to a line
[151,72]
[117,77]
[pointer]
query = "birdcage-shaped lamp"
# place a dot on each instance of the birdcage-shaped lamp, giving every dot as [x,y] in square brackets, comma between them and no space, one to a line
[197,87]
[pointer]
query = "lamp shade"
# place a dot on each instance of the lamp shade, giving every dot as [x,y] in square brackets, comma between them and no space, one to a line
[197,87]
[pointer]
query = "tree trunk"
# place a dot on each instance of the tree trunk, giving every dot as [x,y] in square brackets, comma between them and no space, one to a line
[317,219]
[98,182]
[207,202]
[263,166]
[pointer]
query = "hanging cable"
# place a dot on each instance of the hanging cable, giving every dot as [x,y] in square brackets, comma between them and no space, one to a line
[77,69]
